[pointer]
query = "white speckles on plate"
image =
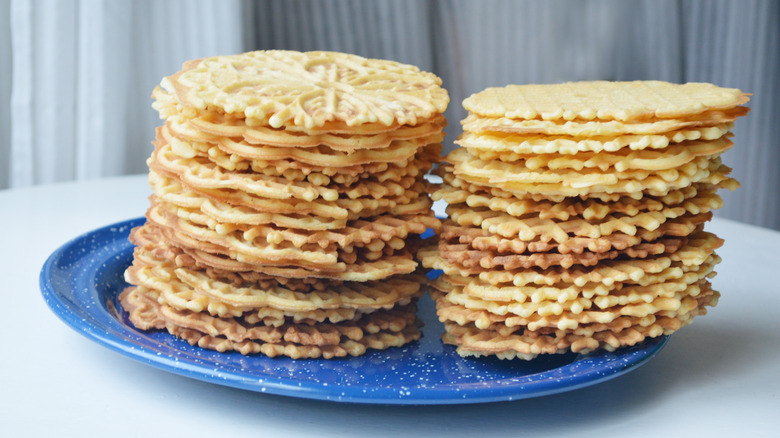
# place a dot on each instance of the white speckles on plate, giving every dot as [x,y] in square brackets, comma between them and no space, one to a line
[81,280]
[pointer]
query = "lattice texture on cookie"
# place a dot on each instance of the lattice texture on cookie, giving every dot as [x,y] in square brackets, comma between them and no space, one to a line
[532,228]
[193,290]
[610,128]
[472,341]
[240,207]
[466,256]
[570,145]
[357,233]
[316,333]
[194,253]
[696,250]
[482,240]
[295,341]
[603,100]
[588,181]
[644,288]
[211,128]
[656,160]
[694,199]
[718,181]
[206,170]
[635,302]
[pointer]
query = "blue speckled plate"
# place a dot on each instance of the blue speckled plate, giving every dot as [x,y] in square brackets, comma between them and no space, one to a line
[81,280]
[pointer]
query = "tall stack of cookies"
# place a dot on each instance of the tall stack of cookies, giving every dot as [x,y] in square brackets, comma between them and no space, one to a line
[576,215]
[288,200]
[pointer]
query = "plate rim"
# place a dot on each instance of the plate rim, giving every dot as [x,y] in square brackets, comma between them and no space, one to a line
[113,339]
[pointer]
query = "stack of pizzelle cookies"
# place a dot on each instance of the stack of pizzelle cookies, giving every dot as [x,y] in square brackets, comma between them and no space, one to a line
[288,200]
[576,215]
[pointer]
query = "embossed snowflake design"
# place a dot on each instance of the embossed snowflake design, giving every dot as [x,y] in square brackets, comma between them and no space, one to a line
[281,88]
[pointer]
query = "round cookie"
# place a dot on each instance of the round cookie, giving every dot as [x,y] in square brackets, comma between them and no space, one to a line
[309,90]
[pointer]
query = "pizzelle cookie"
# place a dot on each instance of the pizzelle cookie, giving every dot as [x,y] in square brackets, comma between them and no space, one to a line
[288,203]
[295,340]
[309,90]
[604,100]
[576,215]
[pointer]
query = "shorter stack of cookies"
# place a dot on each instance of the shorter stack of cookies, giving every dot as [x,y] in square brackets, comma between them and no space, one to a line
[288,200]
[576,215]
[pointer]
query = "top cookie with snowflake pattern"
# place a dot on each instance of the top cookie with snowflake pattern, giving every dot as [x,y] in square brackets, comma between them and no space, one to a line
[308,90]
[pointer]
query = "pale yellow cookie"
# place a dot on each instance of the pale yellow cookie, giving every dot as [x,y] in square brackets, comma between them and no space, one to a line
[281,88]
[603,100]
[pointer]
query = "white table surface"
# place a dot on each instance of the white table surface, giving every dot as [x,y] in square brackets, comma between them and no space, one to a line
[718,377]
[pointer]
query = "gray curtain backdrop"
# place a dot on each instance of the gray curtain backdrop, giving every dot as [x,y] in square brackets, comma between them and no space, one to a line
[5,92]
[472,45]
[76,75]
[76,78]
